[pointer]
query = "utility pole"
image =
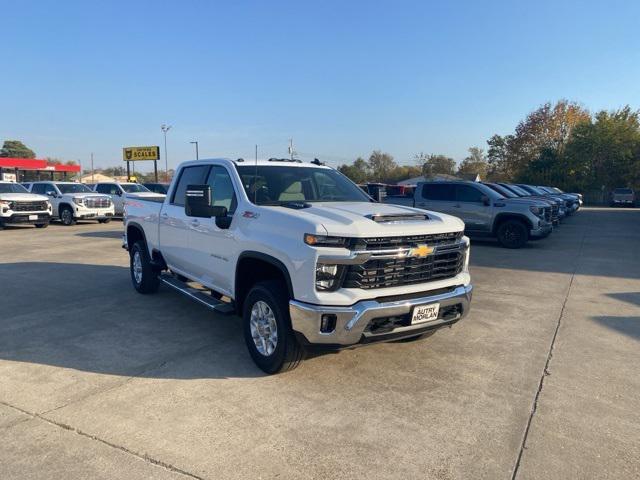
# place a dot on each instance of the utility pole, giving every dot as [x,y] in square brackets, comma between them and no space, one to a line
[256,153]
[165,128]
[196,144]
[92,180]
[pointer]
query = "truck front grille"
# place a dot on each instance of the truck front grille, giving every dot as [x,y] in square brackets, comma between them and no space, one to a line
[97,202]
[29,206]
[393,272]
[380,243]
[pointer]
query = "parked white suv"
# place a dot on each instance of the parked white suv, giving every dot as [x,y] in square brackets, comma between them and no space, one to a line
[302,254]
[119,190]
[18,206]
[74,201]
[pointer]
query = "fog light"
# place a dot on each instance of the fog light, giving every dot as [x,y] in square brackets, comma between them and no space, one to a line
[328,323]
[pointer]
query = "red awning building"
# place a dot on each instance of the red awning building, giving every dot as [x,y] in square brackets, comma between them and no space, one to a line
[31,169]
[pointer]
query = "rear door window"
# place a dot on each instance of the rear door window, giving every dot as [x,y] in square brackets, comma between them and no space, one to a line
[442,192]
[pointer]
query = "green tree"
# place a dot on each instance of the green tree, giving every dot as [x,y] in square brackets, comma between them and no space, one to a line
[381,165]
[475,163]
[436,164]
[604,152]
[358,171]
[16,149]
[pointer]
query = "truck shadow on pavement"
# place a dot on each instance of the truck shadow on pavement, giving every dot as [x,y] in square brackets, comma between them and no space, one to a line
[630,325]
[89,318]
[117,234]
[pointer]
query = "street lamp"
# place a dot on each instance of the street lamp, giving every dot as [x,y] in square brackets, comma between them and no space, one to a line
[196,144]
[165,128]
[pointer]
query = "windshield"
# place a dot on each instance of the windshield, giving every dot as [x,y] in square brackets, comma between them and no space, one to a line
[72,188]
[518,191]
[556,189]
[134,187]
[281,184]
[505,192]
[12,188]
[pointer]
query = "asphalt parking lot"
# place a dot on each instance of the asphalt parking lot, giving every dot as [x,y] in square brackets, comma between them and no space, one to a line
[541,381]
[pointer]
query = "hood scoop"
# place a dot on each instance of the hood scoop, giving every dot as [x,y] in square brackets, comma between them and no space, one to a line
[398,217]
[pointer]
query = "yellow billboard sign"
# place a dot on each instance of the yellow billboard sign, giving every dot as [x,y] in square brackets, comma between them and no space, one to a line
[137,154]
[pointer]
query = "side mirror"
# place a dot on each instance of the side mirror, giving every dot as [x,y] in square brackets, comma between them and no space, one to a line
[51,193]
[198,203]
[486,200]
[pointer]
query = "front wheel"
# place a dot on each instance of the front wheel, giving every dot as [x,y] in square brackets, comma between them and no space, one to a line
[42,225]
[143,275]
[267,328]
[513,234]
[104,220]
[66,216]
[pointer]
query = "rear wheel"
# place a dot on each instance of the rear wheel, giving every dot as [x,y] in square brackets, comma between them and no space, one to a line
[512,234]
[267,328]
[143,275]
[66,216]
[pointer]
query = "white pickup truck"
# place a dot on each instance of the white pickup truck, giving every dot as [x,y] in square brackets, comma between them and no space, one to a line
[302,254]
[18,206]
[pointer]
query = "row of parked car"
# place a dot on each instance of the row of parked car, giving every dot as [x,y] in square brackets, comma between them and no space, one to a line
[511,213]
[36,203]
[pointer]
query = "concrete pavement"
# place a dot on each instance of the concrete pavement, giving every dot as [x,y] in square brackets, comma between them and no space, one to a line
[540,381]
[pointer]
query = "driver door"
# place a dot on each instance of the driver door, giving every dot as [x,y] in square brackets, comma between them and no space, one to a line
[211,248]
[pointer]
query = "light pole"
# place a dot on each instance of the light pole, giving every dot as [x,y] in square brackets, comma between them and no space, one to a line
[196,144]
[165,128]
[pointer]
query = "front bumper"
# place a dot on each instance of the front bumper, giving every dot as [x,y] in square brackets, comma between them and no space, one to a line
[351,322]
[94,214]
[27,218]
[542,231]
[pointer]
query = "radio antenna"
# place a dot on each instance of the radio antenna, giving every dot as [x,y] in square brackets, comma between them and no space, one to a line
[255,180]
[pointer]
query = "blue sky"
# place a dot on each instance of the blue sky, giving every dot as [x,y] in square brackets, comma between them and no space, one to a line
[342,78]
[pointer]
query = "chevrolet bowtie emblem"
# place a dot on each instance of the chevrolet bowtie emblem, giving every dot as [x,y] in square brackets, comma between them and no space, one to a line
[421,251]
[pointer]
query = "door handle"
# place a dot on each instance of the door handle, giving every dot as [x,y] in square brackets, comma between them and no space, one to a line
[165,215]
[457,205]
[195,223]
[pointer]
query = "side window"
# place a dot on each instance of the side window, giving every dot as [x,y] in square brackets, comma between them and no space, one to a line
[38,188]
[222,192]
[113,189]
[103,188]
[467,193]
[443,192]
[189,176]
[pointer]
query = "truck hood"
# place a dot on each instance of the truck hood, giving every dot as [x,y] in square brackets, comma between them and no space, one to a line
[22,197]
[524,201]
[145,195]
[85,195]
[363,219]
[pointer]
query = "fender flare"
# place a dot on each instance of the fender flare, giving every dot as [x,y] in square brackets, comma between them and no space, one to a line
[511,216]
[268,259]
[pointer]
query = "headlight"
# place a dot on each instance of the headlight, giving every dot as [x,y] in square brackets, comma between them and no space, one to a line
[537,211]
[324,241]
[77,201]
[327,276]
[5,204]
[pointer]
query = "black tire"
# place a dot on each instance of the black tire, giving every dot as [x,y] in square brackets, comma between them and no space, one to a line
[512,234]
[104,220]
[288,353]
[423,336]
[1,226]
[42,225]
[66,216]
[145,280]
